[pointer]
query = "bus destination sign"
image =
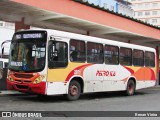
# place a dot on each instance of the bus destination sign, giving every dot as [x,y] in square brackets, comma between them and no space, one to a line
[29,36]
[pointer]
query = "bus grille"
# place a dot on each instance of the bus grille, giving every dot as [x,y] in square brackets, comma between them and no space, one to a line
[23,81]
[21,87]
[23,75]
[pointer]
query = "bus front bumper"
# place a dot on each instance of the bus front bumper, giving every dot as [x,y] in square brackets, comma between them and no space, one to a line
[30,88]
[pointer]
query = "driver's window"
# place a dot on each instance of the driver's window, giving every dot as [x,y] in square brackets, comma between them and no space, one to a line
[57,54]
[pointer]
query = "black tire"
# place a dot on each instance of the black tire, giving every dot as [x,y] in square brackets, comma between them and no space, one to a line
[130,88]
[74,90]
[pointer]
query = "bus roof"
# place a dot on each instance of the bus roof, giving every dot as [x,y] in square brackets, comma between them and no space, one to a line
[69,35]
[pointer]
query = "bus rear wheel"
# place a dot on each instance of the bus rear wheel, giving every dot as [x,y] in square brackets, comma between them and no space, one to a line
[74,90]
[130,88]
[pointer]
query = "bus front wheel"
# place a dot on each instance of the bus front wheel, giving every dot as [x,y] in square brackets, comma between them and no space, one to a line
[74,90]
[130,88]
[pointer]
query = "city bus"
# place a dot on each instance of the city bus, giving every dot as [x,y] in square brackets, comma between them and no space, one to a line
[51,62]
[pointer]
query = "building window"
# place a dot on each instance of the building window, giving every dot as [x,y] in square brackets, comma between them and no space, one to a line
[147,13]
[139,13]
[155,4]
[154,20]
[154,12]
[146,4]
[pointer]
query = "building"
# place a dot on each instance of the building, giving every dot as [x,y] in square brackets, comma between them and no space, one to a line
[147,11]
[7,30]
[109,4]
[118,6]
[125,8]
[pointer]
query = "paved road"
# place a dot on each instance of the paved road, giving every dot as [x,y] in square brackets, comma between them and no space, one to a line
[143,100]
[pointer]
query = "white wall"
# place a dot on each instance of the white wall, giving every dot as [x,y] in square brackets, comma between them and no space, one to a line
[6,34]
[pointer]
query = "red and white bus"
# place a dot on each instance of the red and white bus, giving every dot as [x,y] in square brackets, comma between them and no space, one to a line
[51,62]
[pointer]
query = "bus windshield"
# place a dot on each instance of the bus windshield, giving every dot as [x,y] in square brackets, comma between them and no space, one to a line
[27,55]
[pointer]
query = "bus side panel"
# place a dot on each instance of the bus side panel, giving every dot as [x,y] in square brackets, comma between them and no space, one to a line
[145,77]
[150,77]
[59,78]
[139,74]
[56,82]
[100,77]
[114,81]
[54,88]
[93,78]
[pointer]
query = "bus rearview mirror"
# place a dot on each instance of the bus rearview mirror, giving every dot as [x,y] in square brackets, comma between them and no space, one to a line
[12,52]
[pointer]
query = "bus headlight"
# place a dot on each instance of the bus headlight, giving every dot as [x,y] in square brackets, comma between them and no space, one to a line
[10,78]
[39,79]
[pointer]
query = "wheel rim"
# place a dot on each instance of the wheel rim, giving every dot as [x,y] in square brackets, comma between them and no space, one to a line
[73,90]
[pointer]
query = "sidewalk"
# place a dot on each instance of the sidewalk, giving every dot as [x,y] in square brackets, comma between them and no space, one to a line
[9,92]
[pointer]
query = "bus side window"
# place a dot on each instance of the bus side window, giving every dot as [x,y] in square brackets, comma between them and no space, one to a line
[138,57]
[94,53]
[125,56]
[57,54]
[149,59]
[73,54]
[77,51]
[111,54]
